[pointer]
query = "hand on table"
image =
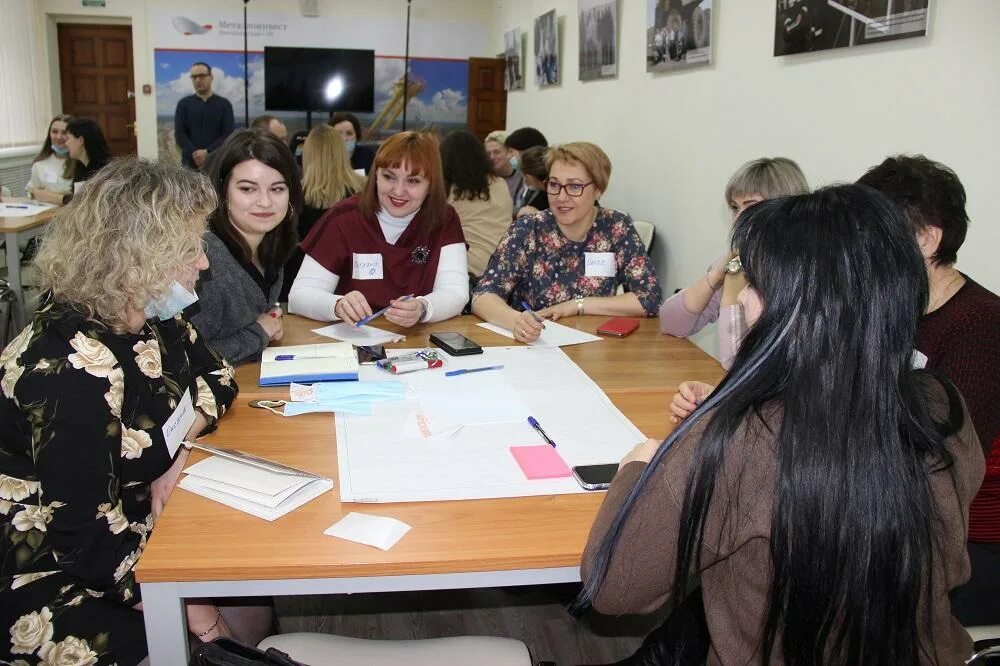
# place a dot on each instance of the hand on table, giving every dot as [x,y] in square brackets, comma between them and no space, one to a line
[641,453]
[689,395]
[405,313]
[272,323]
[160,488]
[527,328]
[352,307]
[554,312]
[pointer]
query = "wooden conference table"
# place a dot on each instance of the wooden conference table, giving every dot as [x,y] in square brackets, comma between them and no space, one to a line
[204,549]
[14,229]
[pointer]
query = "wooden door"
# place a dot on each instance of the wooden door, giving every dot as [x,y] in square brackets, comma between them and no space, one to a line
[487,98]
[95,72]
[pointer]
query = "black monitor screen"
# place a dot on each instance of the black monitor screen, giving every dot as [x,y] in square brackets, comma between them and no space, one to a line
[298,79]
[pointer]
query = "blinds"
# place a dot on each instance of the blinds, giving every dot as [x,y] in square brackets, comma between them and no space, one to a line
[24,76]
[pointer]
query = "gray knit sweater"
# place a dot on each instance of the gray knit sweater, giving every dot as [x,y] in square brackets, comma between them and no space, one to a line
[229,302]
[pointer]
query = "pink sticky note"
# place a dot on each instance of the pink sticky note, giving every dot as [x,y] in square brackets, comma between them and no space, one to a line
[540,461]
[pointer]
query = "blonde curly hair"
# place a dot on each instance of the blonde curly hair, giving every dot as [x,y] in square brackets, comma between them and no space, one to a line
[117,244]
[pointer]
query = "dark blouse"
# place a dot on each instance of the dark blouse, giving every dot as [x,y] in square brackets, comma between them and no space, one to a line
[537,264]
[81,440]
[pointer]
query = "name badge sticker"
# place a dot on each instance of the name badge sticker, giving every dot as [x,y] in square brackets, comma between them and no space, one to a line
[179,423]
[600,264]
[367,267]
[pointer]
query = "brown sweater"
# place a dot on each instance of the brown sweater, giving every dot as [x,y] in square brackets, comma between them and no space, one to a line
[736,558]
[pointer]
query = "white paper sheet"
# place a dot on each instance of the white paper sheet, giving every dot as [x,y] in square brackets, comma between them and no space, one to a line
[22,209]
[359,335]
[378,531]
[554,335]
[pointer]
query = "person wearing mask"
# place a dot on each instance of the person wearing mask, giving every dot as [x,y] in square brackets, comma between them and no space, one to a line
[396,245]
[499,154]
[88,149]
[958,336]
[52,170]
[252,232]
[350,131]
[571,259]
[202,121]
[713,297]
[812,510]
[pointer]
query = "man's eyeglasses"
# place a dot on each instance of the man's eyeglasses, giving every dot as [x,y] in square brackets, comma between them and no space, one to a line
[553,188]
[200,76]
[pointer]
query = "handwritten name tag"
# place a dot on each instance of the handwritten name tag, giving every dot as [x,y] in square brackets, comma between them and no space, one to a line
[179,423]
[600,264]
[367,266]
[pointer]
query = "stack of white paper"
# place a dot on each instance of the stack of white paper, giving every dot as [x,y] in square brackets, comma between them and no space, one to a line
[253,485]
[554,335]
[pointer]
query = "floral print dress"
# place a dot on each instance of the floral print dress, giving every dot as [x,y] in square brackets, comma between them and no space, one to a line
[81,439]
[537,264]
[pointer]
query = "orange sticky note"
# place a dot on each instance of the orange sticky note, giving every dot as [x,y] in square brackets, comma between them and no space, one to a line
[540,461]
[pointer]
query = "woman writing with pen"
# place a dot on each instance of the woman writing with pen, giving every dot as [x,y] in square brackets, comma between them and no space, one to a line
[397,245]
[251,234]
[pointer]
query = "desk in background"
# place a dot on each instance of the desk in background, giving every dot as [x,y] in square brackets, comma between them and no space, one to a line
[14,230]
[203,549]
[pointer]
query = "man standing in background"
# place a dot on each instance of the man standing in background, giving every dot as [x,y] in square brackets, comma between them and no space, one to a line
[203,120]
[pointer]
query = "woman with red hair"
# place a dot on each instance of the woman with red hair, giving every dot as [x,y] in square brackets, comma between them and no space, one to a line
[398,237]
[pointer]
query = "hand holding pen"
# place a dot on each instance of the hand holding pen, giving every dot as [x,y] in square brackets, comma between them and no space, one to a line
[528,325]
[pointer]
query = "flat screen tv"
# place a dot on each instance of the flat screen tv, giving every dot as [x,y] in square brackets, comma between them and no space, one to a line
[301,79]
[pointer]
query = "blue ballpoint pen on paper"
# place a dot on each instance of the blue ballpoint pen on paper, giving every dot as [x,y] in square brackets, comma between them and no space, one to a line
[13,206]
[534,424]
[285,357]
[465,371]
[527,308]
[381,312]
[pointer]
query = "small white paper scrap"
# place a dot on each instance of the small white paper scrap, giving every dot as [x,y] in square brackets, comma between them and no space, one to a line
[378,531]
[359,335]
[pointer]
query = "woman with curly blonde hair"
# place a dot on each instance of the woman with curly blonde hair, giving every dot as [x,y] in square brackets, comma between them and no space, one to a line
[89,389]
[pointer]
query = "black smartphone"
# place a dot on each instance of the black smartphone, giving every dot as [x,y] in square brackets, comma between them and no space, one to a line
[370,353]
[595,477]
[456,344]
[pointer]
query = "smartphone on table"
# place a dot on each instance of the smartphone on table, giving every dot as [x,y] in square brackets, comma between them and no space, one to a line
[369,354]
[595,477]
[456,344]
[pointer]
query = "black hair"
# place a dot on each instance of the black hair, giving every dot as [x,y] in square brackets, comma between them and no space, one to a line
[929,193]
[98,151]
[203,64]
[338,117]
[524,138]
[843,285]
[532,163]
[466,166]
[253,144]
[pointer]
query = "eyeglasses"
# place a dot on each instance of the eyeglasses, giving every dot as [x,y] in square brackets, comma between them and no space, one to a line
[200,76]
[553,188]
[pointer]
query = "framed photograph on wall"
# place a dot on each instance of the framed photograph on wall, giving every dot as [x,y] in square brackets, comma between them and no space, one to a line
[678,34]
[513,76]
[598,39]
[819,25]
[547,49]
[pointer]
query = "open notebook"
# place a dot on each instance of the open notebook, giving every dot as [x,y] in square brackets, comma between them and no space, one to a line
[334,361]
[257,486]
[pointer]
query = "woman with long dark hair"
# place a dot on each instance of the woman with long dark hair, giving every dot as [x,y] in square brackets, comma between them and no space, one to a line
[819,495]
[88,148]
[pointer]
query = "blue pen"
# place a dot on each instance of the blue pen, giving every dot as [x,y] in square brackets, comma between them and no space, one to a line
[465,371]
[13,206]
[285,357]
[534,424]
[527,308]
[381,312]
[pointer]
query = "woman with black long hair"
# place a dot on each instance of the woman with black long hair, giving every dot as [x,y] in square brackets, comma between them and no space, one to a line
[819,496]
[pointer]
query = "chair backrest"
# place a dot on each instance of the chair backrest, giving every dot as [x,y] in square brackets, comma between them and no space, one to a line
[646,231]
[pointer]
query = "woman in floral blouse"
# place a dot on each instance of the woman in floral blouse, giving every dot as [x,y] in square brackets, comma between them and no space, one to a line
[568,260]
[92,390]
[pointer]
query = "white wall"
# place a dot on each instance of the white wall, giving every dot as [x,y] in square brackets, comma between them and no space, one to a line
[675,139]
[139,14]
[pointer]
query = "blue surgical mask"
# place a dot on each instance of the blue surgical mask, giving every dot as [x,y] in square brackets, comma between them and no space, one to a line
[171,303]
[61,151]
[350,143]
[514,162]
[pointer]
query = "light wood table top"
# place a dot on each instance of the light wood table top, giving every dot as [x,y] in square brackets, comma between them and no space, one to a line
[646,359]
[200,540]
[16,224]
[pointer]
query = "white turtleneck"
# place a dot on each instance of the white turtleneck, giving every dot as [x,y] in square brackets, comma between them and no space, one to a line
[312,294]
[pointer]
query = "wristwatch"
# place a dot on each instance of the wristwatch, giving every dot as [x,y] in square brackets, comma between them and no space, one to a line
[579,305]
[734,266]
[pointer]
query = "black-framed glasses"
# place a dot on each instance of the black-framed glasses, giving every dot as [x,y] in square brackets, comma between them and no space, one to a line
[553,188]
[200,76]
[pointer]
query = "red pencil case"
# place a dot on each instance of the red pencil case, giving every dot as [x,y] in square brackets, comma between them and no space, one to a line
[618,326]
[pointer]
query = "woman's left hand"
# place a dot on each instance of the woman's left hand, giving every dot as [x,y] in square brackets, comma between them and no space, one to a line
[405,313]
[641,453]
[554,312]
[160,488]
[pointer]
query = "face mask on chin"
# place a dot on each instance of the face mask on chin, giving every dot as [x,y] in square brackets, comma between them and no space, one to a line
[61,151]
[171,303]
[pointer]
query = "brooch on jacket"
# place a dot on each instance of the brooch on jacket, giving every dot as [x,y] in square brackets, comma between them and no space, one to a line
[420,254]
